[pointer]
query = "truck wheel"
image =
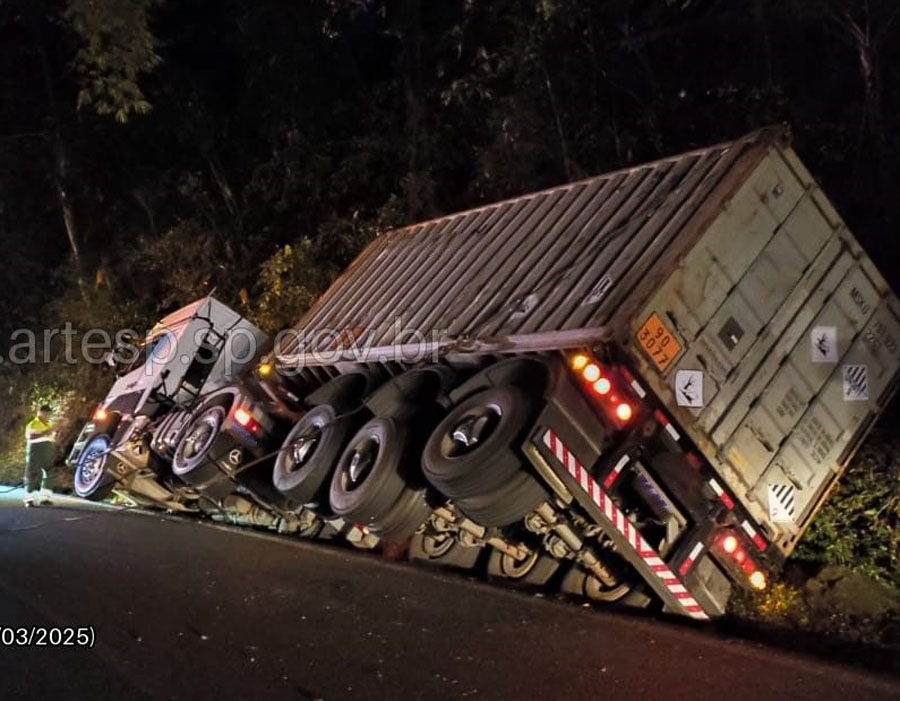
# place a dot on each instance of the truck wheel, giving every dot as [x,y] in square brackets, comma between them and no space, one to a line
[473,450]
[193,449]
[309,453]
[443,549]
[581,583]
[507,505]
[535,569]
[367,481]
[91,479]
[404,517]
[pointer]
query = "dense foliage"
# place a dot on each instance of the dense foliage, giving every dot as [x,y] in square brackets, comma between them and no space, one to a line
[155,150]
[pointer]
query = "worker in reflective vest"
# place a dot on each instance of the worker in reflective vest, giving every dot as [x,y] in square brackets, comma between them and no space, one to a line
[39,453]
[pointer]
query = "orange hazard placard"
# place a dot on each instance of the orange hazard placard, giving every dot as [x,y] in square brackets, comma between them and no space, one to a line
[658,342]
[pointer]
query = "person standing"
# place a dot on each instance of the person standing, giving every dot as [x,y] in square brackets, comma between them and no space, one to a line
[39,453]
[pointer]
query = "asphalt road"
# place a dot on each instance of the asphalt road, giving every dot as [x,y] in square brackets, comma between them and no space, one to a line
[185,610]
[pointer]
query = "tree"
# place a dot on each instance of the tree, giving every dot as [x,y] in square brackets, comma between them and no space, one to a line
[117,48]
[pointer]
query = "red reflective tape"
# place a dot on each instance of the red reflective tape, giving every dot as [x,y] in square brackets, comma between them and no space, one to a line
[616,471]
[725,499]
[690,559]
[759,542]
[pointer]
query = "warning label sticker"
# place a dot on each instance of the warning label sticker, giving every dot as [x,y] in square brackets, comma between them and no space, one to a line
[856,383]
[823,344]
[658,342]
[689,388]
[781,503]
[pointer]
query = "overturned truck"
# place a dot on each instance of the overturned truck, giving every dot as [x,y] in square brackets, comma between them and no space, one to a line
[639,387]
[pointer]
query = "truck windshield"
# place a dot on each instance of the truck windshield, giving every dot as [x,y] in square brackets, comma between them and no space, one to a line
[156,351]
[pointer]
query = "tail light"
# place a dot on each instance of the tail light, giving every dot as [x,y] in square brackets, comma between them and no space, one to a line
[732,548]
[729,544]
[604,384]
[243,417]
[100,414]
[757,580]
[579,361]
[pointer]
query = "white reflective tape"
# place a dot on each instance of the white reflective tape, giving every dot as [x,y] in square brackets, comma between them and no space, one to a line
[748,529]
[560,453]
[698,548]
[623,461]
[670,429]
[677,589]
[717,488]
[638,389]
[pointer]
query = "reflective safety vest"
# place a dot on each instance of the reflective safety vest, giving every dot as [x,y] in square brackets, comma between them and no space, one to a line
[37,426]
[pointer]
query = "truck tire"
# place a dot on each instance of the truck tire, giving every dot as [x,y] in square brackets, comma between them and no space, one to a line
[473,449]
[409,512]
[310,452]
[507,505]
[91,480]
[192,453]
[367,483]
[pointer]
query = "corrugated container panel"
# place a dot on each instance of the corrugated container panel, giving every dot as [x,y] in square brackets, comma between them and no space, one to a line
[536,264]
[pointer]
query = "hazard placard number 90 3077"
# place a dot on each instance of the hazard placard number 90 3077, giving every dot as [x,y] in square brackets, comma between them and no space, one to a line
[658,342]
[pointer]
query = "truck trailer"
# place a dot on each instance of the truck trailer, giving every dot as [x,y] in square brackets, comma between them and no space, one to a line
[637,388]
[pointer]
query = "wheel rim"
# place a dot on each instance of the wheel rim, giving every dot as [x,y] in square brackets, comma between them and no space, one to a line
[202,433]
[436,546]
[359,464]
[303,448]
[471,431]
[92,465]
[516,569]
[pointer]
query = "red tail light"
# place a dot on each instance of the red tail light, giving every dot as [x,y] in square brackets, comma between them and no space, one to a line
[243,417]
[730,544]
[591,373]
[602,386]
[603,382]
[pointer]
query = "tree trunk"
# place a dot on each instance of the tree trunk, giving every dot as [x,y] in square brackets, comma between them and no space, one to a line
[60,157]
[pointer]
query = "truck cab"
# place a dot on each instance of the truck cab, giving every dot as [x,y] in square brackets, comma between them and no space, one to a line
[189,355]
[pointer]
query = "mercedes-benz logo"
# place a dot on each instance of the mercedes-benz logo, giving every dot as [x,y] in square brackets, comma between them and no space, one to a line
[236,456]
